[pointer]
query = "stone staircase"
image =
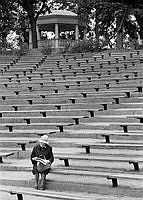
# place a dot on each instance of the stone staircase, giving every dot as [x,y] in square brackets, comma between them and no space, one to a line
[94,122]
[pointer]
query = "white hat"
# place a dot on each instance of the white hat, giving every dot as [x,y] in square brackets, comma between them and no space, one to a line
[44,139]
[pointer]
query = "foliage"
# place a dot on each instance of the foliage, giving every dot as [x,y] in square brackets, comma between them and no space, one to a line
[85,46]
[17,14]
[22,26]
[46,50]
[16,52]
[7,16]
[133,3]
[111,18]
[34,8]
[23,50]
[65,5]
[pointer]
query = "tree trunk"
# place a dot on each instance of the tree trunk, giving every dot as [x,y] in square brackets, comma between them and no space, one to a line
[119,39]
[34,33]
[97,29]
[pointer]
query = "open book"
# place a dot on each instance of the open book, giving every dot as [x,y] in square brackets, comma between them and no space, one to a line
[41,160]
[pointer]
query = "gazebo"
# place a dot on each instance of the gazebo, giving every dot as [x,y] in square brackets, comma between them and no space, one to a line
[58,21]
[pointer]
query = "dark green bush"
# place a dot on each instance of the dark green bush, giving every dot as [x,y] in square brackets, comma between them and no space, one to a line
[85,46]
[23,50]
[47,50]
[16,52]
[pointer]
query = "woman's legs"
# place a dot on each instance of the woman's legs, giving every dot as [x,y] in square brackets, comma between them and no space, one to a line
[43,179]
[36,180]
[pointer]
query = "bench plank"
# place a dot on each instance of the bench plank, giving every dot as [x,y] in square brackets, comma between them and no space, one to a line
[5,154]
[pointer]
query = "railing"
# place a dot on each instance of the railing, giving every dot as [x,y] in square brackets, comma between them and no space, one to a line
[56,43]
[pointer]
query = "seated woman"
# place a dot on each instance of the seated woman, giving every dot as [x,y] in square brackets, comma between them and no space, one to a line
[41,158]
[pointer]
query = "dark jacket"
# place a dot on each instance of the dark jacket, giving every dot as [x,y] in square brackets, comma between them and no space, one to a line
[44,151]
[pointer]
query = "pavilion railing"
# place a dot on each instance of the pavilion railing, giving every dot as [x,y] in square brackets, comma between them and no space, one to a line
[56,43]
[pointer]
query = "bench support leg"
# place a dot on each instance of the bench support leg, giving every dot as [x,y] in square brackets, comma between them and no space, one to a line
[19,197]
[66,161]
[125,128]
[107,138]
[91,113]
[114,182]
[136,165]
[23,147]
[1,161]
[61,128]
[87,148]
[76,121]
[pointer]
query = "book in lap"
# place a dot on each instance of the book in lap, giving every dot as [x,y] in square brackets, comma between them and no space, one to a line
[41,160]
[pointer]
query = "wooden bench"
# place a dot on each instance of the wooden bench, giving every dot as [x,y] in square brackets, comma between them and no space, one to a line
[115,178]
[23,144]
[66,159]
[140,118]
[10,128]
[125,128]
[88,146]
[135,164]
[139,89]
[61,126]
[4,154]
[21,191]
[108,135]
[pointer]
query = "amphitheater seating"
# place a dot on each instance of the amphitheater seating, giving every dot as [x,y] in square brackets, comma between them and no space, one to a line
[20,192]
[4,154]
[83,101]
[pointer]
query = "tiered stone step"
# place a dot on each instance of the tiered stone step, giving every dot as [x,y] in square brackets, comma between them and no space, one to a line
[101,138]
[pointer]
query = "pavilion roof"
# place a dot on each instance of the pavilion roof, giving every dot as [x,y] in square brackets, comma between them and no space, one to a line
[59,16]
[61,13]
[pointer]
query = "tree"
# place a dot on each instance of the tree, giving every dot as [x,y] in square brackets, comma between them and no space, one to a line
[139,17]
[7,19]
[22,26]
[65,4]
[112,18]
[34,8]
[134,7]
[104,13]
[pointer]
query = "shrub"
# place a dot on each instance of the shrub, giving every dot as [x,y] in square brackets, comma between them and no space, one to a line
[16,52]
[23,50]
[85,46]
[46,50]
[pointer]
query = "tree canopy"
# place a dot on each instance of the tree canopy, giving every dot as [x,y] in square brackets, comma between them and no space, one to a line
[111,18]
[7,18]
[33,9]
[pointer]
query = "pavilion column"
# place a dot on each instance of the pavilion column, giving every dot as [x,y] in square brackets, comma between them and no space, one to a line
[56,36]
[38,35]
[84,33]
[76,32]
[30,37]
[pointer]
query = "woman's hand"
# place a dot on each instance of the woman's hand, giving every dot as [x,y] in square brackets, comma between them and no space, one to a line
[34,158]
